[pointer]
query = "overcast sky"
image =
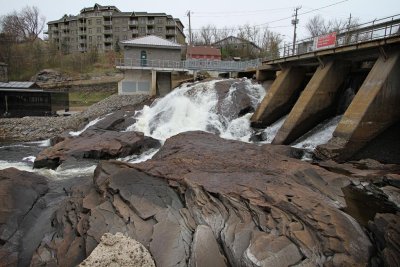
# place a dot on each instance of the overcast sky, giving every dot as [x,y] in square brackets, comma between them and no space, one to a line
[228,13]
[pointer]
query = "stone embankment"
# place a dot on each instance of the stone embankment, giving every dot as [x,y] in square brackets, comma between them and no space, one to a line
[40,128]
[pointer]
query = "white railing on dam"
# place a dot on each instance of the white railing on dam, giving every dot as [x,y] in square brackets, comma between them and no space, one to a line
[194,64]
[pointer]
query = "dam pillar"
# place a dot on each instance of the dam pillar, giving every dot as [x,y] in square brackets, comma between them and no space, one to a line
[315,102]
[264,75]
[153,89]
[280,97]
[374,108]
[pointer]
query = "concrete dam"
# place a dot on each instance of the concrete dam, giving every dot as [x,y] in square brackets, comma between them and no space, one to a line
[311,87]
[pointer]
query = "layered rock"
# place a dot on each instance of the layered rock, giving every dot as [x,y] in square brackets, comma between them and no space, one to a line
[95,144]
[253,205]
[20,193]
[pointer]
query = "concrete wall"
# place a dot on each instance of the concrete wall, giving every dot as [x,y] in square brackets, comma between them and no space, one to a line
[315,102]
[280,97]
[152,53]
[374,108]
[135,82]
[164,83]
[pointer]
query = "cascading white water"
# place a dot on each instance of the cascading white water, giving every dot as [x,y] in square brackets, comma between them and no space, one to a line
[270,132]
[197,107]
[319,135]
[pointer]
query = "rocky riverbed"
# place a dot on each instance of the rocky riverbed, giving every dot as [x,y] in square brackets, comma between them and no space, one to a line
[40,128]
[201,200]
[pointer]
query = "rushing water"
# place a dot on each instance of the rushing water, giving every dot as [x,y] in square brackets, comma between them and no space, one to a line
[196,107]
[188,108]
[318,135]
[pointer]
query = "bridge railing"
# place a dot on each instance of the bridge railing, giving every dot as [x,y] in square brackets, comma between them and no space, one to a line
[372,30]
[191,64]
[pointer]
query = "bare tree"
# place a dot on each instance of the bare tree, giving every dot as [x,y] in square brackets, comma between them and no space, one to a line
[25,25]
[207,33]
[317,25]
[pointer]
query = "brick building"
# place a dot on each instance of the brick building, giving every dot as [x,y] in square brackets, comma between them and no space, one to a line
[103,27]
[203,52]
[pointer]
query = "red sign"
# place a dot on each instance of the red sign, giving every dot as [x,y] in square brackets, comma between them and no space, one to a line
[325,41]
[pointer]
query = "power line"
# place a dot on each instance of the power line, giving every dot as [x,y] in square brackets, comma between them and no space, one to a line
[316,9]
[242,12]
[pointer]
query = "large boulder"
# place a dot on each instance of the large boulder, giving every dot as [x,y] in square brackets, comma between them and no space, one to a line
[20,193]
[95,144]
[254,205]
[119,250]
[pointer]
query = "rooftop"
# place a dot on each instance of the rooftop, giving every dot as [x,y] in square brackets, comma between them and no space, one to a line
[18,85]
[203,50]
[152,41]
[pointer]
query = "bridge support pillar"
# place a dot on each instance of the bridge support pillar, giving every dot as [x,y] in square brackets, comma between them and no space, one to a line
[315,102]
[264,75]
[279,98]
[374,108]
[153,89]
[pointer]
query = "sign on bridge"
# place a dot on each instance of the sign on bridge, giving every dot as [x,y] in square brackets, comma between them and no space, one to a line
[325,41]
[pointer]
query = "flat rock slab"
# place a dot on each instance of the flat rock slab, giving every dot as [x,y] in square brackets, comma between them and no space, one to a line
[95,144]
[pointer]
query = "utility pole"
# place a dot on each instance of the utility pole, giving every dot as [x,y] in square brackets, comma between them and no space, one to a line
[348,26]
[190,28]
[295,21]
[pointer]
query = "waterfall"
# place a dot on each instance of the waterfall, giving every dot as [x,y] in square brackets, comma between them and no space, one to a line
[202,107]
[319,135]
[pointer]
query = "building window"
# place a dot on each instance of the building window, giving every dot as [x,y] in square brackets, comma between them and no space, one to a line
[160,21]
[142,20]
[142,29]
[89,22]
[90,39]
[159,29]
[116,29]
[98,29]
[124,29]
[90,30]
[98,38]
[98,21]
[125,37]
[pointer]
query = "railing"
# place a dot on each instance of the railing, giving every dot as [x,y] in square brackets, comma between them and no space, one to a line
[369,31]
[133,22]
[194,64]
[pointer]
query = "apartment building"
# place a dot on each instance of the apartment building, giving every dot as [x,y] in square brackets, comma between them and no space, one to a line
[103,27]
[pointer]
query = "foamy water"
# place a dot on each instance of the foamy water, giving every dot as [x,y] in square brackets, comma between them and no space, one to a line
[194,107]
[319,135]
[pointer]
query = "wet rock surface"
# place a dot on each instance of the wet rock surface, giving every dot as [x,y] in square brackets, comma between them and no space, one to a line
[259,207]
[19,192]
[95,144]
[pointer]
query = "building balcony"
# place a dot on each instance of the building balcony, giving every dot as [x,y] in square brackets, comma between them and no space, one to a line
[107,31]
[169,32]
[82,32]
[150,22]
[133,22]
[150,31]
[108,40]
[107,22]
[82,49]
[107,13]
[135,31]
[82,41]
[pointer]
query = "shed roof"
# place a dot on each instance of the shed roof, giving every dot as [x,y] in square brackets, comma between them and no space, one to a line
[18,85]
[151,41]
[203,50]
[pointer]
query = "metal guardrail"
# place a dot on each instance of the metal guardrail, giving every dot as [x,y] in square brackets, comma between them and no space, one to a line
[369,31]
[211,65]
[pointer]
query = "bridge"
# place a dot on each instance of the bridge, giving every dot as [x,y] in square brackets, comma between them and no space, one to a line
[308,85]
[185,65]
